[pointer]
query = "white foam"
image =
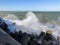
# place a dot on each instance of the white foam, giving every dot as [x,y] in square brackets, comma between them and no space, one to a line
[30,24]
[11,17]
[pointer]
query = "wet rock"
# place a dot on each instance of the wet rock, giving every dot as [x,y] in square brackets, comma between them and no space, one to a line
[24,39]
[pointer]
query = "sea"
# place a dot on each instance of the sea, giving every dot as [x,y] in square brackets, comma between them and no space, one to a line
[32,22]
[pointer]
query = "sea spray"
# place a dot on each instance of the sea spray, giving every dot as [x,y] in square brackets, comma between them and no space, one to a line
[11,17]
[30,24]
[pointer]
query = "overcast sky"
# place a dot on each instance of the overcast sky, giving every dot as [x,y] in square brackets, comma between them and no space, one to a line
[29,5]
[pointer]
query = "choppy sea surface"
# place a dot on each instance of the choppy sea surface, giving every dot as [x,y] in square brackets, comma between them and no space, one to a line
[42,16]
[33,22]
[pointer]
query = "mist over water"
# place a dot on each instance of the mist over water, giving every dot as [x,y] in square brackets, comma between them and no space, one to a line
[30,24]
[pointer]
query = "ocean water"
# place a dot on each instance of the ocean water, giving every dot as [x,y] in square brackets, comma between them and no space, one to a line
[33,22]
[42,16]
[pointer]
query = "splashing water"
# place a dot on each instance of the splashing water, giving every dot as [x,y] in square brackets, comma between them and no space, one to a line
[30,24]
[11,17]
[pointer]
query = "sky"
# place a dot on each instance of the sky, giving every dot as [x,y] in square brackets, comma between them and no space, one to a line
[29,5]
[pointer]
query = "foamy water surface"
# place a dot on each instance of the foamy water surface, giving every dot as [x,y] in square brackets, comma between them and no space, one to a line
[30,24]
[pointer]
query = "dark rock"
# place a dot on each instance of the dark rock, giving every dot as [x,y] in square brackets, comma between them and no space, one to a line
[24,39]
[6,39]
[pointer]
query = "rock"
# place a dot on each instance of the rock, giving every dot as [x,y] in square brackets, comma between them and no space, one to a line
[24,39]
[5,39]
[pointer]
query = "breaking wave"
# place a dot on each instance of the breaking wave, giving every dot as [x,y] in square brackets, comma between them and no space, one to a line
[30,24]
